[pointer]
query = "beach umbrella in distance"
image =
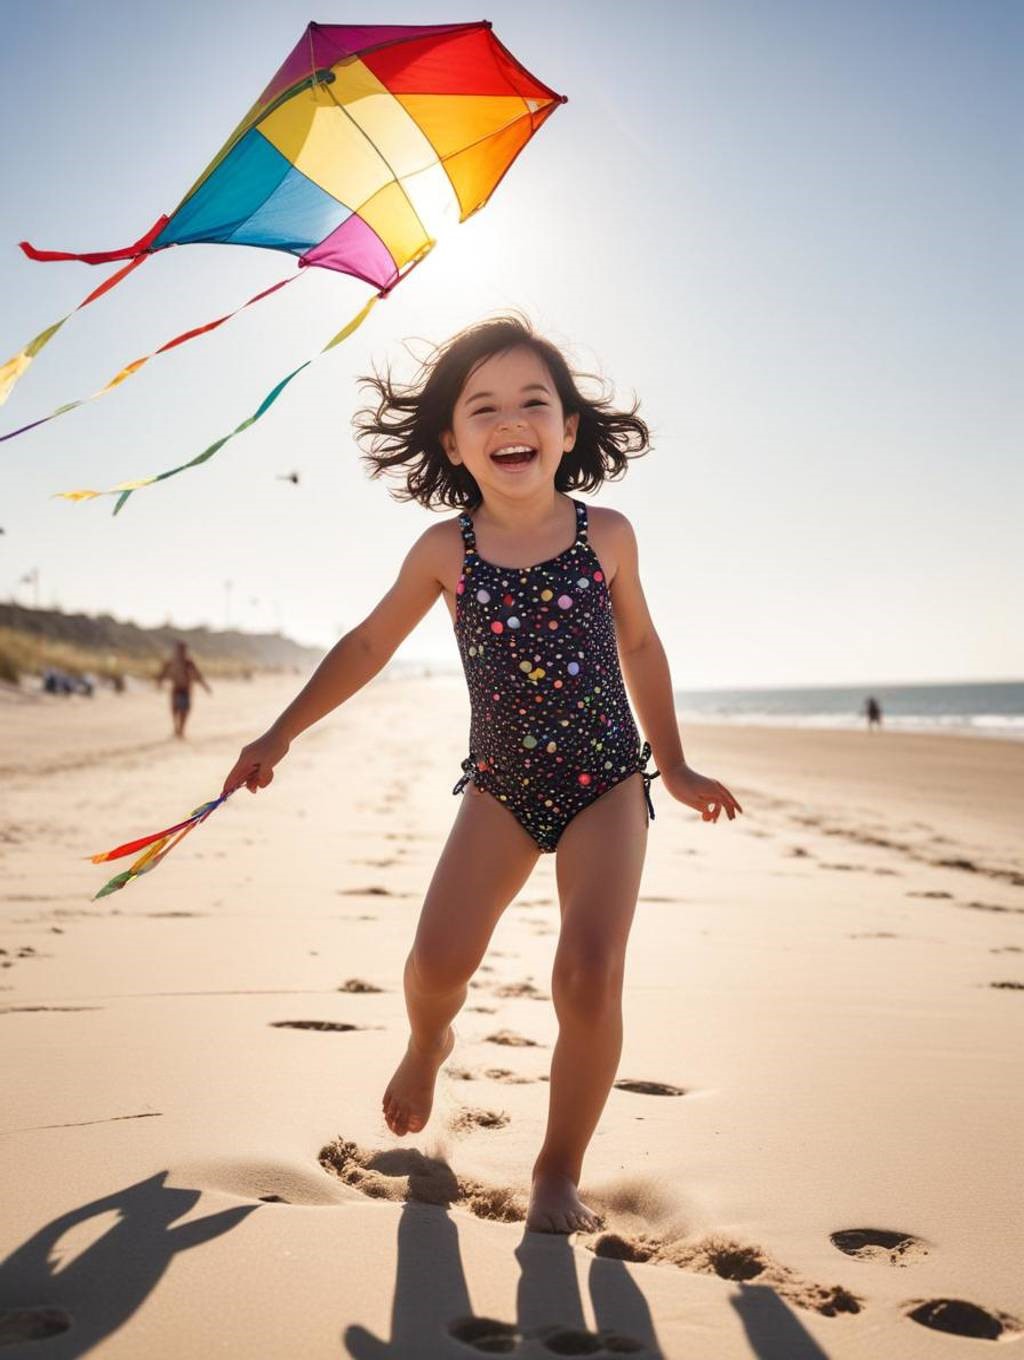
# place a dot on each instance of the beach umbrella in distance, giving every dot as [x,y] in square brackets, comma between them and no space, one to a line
[368,140]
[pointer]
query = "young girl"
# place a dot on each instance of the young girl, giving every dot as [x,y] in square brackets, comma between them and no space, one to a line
[497,427]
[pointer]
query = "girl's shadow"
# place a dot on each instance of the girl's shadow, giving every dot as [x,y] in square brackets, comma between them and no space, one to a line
[99,1290]
[432,1315]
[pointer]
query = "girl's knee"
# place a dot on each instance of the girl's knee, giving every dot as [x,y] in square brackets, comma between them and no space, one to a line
[437,970]
[586,984]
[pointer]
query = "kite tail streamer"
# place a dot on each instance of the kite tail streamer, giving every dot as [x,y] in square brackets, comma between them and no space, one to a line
[124,489]
[140,247]
[159,844]
[131,369]
[13,369]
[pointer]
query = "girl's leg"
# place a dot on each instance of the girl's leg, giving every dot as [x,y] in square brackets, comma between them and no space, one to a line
[599,864]
[486,860]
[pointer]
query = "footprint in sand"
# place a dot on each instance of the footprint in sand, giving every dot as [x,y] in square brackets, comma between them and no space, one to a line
[1008,986]
[482,1010]
[874,935]
[649,1088]
[504,1074]
[989,906]
[503,1338]
[930,894]
[459,1073]
[964,1319]
[510,1039]
[32,1324]
[10,1010]
[358,985]
[402,1174]
[25,952]
[1008,949]
[334,1026]
[714,1255]
[527,989]
[880,1244]
[468,1119]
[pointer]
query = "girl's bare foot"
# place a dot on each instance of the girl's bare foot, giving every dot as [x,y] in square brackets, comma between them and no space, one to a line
[556,1207]
[410,1093]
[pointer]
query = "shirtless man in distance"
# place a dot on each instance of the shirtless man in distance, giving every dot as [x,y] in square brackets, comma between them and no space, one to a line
[182,672]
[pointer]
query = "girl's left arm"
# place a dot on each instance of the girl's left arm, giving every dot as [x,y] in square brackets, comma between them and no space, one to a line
[646,672]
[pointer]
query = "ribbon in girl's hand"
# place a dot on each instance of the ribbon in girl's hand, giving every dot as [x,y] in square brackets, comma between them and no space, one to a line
[154,847]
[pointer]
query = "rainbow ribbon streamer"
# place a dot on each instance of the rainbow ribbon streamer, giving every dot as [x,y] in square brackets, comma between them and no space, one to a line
[155,847]
[123,374]
[124,489]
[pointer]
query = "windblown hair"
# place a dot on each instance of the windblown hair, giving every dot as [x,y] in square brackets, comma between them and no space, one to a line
[401,435]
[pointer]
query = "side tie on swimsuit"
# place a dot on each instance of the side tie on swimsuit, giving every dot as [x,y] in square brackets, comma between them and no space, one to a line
[469,765]
[645,756]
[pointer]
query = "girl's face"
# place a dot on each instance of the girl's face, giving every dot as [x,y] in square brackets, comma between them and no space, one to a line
[508,428]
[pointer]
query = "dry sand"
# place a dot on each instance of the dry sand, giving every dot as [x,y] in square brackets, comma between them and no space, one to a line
[817,1130]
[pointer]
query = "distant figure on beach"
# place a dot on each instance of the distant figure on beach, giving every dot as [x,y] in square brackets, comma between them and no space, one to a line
[873,712]
[182,672]
[500,432]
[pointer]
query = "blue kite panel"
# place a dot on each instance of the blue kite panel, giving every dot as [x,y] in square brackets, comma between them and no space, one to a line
[230,195]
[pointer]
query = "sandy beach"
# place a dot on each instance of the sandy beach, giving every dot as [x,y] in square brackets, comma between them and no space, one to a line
[813,1147]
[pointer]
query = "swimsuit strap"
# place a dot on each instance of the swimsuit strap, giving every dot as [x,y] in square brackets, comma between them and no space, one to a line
[581,520]
[468,535]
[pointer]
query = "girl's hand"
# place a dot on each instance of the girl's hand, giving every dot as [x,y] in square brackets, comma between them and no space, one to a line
[697,791]
[255,765]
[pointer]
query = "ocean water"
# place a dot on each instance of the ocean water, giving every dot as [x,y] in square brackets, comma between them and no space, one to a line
[990,709]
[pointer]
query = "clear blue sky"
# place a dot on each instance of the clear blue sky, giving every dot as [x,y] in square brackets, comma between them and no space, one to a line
[791,227]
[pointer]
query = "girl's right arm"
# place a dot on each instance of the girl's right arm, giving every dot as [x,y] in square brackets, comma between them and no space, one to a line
[352,661]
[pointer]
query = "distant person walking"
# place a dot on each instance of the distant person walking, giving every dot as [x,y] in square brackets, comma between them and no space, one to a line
[182,672]
[873,712]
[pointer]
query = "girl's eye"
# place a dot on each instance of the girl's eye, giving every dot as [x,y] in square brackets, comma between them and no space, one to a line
[485,410]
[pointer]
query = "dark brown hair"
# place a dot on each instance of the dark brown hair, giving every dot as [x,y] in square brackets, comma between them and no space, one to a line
[401,434]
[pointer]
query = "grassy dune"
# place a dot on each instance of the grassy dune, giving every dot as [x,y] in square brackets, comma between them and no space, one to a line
[33,639]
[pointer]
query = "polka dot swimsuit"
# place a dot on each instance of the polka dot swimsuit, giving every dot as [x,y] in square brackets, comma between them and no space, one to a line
[551,728]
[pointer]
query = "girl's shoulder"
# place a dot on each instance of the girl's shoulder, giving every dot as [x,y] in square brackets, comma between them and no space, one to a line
[611,537]
[441,547]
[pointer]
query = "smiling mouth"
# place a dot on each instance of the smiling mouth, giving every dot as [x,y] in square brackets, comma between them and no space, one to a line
[514,457]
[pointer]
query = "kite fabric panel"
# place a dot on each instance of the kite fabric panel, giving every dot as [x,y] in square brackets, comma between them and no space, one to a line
[368,141]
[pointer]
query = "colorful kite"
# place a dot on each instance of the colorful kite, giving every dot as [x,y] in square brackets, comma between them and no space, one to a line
[368,139]
[160,843]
